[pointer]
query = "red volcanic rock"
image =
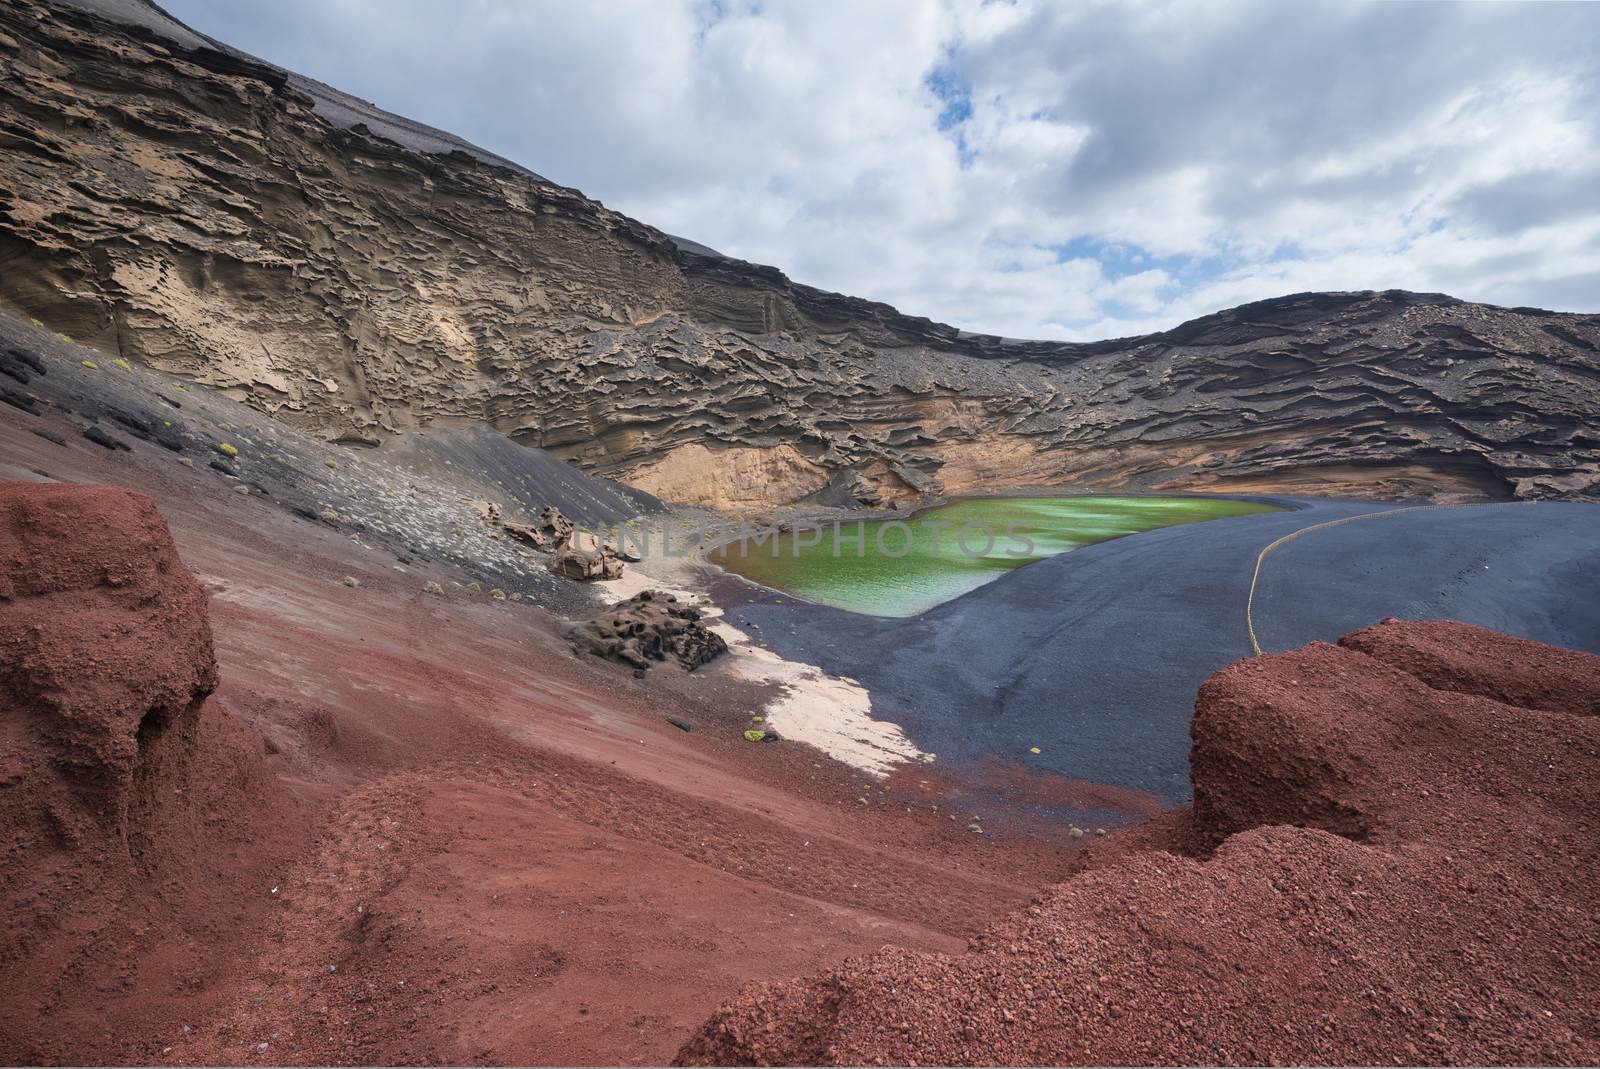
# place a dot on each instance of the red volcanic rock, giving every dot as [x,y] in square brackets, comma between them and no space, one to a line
[104,642]
[105,659]
[1400,868]
[1471,660]
[138,821]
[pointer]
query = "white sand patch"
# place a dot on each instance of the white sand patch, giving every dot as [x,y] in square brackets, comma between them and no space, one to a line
[634,581]
[832,713]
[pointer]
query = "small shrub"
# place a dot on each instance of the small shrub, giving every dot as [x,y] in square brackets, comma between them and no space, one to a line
[91,365]
[227,449]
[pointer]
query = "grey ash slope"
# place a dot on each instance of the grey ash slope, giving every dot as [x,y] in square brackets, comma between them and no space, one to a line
[221,220]
[410,500]
[488,465]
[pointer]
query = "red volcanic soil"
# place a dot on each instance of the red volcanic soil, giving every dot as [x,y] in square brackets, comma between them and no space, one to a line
[412,828]
[1386,861]
[404,827]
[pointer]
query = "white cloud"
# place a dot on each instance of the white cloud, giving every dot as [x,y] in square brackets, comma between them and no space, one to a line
[1030,169]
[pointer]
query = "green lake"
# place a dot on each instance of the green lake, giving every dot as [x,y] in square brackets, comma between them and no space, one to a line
[906,567]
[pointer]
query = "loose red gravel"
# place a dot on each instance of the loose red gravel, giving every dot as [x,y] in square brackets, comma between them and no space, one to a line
[1383,864]
[405,829]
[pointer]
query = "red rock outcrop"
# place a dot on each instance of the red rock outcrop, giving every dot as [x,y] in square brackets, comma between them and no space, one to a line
[1385,861]
[105,659]
[1450,656]
[127,804]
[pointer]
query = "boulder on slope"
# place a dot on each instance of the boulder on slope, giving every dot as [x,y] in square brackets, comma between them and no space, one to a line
[647,628]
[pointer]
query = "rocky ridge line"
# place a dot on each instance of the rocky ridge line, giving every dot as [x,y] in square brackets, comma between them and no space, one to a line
[194,209]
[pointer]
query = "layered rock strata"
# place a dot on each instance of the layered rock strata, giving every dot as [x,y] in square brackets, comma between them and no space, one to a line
[172,201]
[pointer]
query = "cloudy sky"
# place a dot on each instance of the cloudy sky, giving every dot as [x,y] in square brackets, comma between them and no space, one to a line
[1047,169]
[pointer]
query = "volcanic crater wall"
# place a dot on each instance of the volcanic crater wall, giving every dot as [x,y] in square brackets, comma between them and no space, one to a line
[193,208]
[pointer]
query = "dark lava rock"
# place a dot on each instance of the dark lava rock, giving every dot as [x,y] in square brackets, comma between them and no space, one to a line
[586,563]
[100,437]
[648,627]
[135,425]
[27,358]
[545,534]
[17,400]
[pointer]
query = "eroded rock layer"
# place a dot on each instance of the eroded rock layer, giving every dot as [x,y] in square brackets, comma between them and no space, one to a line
[1385,861]
[189,207]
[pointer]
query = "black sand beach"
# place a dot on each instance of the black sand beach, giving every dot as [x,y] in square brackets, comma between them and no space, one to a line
[1094,656]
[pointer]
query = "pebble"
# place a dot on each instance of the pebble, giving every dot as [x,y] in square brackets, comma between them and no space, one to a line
[351,581]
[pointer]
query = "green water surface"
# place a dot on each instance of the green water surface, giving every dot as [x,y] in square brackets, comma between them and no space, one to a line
[902,568]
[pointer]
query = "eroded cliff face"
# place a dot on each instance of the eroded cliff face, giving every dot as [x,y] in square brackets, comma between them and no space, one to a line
[196,210]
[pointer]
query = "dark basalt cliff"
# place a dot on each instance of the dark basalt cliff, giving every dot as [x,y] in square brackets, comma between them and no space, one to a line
[173,201]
